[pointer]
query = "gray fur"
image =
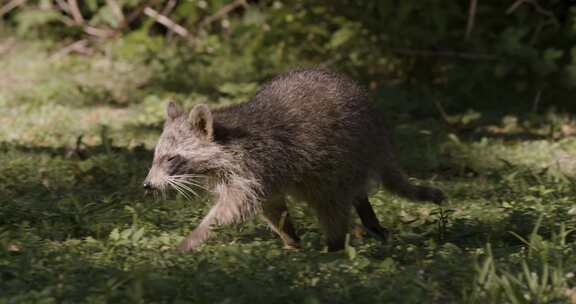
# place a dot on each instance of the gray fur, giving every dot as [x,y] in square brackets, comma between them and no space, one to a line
[311,133]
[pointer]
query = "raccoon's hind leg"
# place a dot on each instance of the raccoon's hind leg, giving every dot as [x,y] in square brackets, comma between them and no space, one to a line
[334,219]
[369,219]
[275,212]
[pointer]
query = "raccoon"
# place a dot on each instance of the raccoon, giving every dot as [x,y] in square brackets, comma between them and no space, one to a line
[311,134]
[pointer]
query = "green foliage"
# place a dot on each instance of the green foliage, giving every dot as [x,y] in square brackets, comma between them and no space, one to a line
[521,53]
[29,19]
[535,275]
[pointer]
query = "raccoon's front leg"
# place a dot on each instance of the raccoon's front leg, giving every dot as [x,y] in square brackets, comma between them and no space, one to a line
[195,238]
[222,213]
[219,215]
[236,201]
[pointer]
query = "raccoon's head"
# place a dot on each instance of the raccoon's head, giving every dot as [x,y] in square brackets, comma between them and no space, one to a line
[185,151]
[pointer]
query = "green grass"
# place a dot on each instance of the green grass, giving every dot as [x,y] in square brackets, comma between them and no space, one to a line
[75,143]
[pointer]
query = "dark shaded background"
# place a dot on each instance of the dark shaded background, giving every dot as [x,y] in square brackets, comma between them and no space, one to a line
[418,57]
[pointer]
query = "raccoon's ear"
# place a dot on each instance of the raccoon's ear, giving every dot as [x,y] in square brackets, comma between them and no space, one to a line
[172,110]
[201,120]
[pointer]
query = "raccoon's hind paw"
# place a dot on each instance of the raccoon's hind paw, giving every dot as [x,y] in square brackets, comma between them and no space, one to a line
[431,194]
[291,246]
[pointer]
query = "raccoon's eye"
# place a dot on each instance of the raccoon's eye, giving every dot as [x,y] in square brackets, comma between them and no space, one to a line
[172,158]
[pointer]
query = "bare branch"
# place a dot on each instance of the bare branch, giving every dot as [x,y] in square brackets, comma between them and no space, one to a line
[514,6]
[222,12]
[441,111]
[167,22]
[471,18]
[169,7]
[8,7]
[67,20]
[80,46]
[90,30]
[539,9]
[116,10]
[75,11]
[98,32]
[536,102]
[63,6]
[135,14]
[166,12]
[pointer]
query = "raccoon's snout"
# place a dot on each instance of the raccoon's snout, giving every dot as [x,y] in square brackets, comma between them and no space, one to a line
[151,182]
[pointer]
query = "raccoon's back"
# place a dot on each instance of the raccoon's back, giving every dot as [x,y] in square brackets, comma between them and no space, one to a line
[306,120]
[312,100]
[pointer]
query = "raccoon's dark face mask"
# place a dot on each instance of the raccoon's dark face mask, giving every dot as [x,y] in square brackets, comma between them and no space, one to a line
[185,151]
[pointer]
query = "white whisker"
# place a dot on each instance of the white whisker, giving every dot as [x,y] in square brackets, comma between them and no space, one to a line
[178,188]
[186,175]
[181,192]
[192,183]
[183,187]
[191,180]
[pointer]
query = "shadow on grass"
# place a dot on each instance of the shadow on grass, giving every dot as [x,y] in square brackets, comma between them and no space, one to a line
[63,192]
[229,275]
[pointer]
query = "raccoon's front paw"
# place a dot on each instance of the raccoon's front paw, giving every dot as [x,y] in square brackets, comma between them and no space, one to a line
[184,247]
[187,246]
[192,241]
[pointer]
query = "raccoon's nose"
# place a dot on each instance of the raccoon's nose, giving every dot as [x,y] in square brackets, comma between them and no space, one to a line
[147,185]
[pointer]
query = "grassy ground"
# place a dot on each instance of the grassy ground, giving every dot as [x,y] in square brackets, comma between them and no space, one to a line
[75,143]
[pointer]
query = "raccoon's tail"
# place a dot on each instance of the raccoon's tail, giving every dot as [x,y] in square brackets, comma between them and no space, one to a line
[394,179]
